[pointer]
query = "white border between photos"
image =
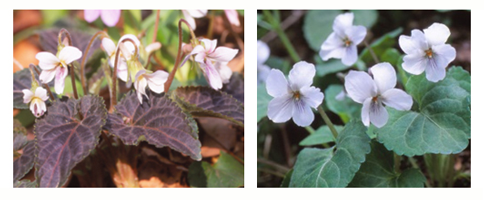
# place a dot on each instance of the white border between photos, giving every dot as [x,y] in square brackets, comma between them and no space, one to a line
[250,191]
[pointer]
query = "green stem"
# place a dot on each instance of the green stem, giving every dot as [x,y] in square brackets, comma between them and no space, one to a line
[276,25]
[397,160]
[373,55]
[328,122]
[310,129]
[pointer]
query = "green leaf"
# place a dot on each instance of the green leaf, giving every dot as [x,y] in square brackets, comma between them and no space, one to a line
[318,24]
[378,171]
[320,136]
[132,21]
[226,172]
[442,122]
[346,108]
[204,101]
[65,136]
[263,100]
[159,121]
[328,168]
[330,67]
[380,45]
[366,18]
[287,178]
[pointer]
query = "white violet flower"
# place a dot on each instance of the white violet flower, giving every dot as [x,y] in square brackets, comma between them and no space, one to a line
[36,100]
[294,97]
[341,43]
[376,91]
[191,14]
[208,55]
[427,51]
[56,66]
[233,17]
[263,53]
[155,81]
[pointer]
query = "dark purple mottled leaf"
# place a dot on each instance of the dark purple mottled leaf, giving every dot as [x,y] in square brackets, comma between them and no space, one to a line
[23,164]
[23,80]
[235,87]
[65,136]
[49,40]
[204,101]
[159,121]
[19,136]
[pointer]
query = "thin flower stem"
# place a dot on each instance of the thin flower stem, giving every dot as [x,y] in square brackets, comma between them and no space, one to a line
[63,30]
[396,162]
[373,55]
[115,74]
[73,81]
[84,56]
[328,122]
[310,129]
[280,32]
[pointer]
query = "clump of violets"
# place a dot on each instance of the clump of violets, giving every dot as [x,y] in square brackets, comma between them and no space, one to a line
[376,91]
[342,42]
[109,17]
[213,61]
[295,97]
[427,51]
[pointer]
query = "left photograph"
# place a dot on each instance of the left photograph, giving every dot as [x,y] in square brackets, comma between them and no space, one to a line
[128,98]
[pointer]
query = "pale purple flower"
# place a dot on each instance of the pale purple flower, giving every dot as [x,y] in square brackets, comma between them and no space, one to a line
[191,14]
[233,17]
[427,51]
[376,91]
[109,17]
[208,55]
[56,66]
[341,43]
[263,53]
[294,97]
[155,81]
[36,100]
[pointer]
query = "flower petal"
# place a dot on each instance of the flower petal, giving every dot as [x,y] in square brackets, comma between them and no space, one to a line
[224,71]
[384,76]
[91,15]
[301,75]
[197,13]
[152,47]
[365,112]
[47,60]
[280,109]
[223,54]
[398,99]
[60,76]
[212,76]
[302,114]
[276,83]
[416,44]
[356,34]
[126,53]
[444,53]
[110,17]
[343,22]
[414,63]
[433,72]
[263,52]
[359,86]
[378,114]
[233,17]
[46,76]
[41,93]
[190,20]
[262,73]
[28,95]
[333,47]
[69,54]
[312,96]
[209,45]
[350,55]
[437,34]
[128,44]
[122,71]
[140,85]
[156,81]
[109,46]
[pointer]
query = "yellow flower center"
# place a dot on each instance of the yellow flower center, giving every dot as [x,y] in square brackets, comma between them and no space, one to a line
[296,95]
[429,53]
[347,42]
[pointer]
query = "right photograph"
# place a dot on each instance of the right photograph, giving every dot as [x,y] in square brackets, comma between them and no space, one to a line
[364,98]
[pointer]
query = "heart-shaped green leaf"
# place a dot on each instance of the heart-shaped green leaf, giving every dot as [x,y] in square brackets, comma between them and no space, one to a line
[263,100]
[159,121]
[344,107]
[442,122]
[226,172]
[65,136]
[204,101]
[318,24]
[320,136]
[328,168]
[378,171]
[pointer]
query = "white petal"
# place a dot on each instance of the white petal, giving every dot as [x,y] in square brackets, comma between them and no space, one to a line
[342,22]
[197,13]
[397,98]
[276,83]
[414,63]
[152,47]
[27,95]
[69,54]
[263,52]
[47,60]
[233,17]
[41,93]
[437,34]
[262,73]
[350,56]
[122,71]
[445,54]
[224,71]
[223,54]
[199,50]
[312,96]
[359,86]
[333,47]
[140,85]
[156,81]
[378,114]
[416,44]
[128,44]
[302,114]
[365,112]
[356,34]
[110,17]
[47,75]
[91,15]
[384,76]
[127,54]
[209,45]
[60,76]
[35,108]
[433,72]
[301,74]
[212,76]
[189,19]
[280,108]
[109,46]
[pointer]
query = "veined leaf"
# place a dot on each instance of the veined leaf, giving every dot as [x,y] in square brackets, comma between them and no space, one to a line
[328,168]
[24,184]
[263,100]
[318,24]
[23,164]
[65,136]
[378,171]
[235,87]
[204,101]
[159,121]
[442,122]
[23,80]
[226,172]
[320,136]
